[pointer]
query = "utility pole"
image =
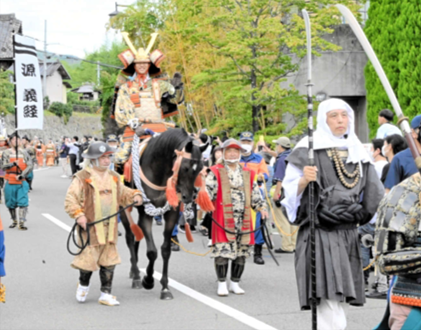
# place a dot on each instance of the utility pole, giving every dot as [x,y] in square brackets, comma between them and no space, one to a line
[44,78]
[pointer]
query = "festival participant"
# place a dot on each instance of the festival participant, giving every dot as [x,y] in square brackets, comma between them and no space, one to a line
[2,270]
[112,141]
[256,163]
[3,146]
[397,245]
[147,95]
[347,192]
[381,287]
[234,192]
[57,144]
[95,193]
[50,153]
[40,150]
[26,144]
[73,153]
[63,154]
[288,237]
[403,165]
[386,128]
[17,168]
[392,145]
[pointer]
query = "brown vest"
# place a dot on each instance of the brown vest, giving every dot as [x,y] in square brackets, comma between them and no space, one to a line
[88,204]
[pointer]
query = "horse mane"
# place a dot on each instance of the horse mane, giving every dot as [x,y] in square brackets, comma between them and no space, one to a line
[170,139]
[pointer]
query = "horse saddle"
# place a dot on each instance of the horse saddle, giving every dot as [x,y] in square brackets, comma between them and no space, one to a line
[142,131]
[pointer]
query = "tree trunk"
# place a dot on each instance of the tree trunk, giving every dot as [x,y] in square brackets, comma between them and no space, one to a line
[255,108]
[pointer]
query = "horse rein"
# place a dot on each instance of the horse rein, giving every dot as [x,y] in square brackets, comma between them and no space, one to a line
[83,245]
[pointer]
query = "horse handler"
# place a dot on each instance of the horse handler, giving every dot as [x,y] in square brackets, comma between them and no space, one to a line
[2,271]
[95,193]
[234,192]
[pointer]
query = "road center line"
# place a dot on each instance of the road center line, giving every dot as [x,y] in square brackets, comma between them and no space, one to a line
[225,309]
[57,222]
[41,169]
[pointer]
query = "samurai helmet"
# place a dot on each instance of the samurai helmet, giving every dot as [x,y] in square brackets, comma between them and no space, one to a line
[140,55]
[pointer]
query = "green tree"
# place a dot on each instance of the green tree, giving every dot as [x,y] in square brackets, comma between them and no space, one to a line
[234,55]
[408,64]
[382,30]
[7,93]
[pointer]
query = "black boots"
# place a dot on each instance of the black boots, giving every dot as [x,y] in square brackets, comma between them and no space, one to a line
[221,268]
[258,259]
[106,275]
[237,268]
[14,220]
[84,277]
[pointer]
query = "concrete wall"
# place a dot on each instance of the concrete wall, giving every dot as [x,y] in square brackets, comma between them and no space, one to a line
[338,74]
[55,87]
[54,127]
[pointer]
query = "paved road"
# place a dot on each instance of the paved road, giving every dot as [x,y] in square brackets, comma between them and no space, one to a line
[41,285]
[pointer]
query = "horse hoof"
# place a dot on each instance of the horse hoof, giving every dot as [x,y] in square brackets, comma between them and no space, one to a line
[166,295]
[137,284]
[148,285]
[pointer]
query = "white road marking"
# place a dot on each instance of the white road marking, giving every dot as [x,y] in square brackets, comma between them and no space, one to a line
[41,169]
[57,222]
[225,309]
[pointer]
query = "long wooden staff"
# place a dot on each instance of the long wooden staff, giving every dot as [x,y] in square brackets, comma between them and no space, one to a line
[311,210]
[402,120]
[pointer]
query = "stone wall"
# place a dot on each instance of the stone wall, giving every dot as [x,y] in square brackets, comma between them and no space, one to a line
[55,128]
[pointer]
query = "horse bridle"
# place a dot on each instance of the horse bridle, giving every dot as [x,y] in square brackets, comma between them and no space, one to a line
[182,156]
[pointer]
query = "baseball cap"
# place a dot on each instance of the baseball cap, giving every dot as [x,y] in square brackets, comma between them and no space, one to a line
[247,136]
[283,141]
[416,122]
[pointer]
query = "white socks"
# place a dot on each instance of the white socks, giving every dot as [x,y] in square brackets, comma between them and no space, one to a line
[82,293]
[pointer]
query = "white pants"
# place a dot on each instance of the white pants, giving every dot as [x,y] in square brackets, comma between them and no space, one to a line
[331,315]
[63,162]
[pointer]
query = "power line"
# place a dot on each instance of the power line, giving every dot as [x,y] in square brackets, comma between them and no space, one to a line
[75,57]
[81,59]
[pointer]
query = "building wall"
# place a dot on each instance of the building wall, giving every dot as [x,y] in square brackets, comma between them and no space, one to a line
[55,87]
[338,74]
[64,93]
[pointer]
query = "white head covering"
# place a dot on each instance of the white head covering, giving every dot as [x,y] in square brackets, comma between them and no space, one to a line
[324,139]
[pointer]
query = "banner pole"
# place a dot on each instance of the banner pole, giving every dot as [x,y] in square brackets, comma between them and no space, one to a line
[16,95]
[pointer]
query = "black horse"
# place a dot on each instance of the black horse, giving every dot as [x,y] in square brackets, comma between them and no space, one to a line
[157,164]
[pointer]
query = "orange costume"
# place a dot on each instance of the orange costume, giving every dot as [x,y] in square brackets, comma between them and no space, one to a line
[40,149]
[50,150]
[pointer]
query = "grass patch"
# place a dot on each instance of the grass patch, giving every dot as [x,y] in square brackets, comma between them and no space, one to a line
[85,115]
[48,113]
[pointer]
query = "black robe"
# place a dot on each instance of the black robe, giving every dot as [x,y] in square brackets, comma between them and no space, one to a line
[339,267]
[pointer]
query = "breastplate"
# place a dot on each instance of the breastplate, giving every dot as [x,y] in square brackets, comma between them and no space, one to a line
[148,108]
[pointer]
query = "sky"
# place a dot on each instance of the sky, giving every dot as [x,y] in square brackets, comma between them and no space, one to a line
[74,27]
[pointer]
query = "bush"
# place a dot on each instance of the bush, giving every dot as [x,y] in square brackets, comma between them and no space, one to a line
[62,110]
[7,93]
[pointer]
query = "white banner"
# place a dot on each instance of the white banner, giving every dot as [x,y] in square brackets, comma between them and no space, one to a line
[29,98]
